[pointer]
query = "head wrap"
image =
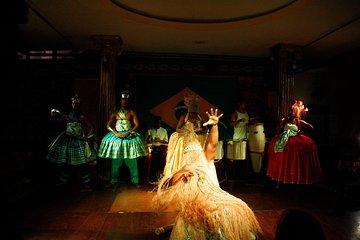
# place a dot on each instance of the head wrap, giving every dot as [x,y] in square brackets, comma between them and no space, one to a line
[299,108]
[125,94]
[75,99]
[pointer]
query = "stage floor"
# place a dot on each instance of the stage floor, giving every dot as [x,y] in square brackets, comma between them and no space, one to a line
[65,213]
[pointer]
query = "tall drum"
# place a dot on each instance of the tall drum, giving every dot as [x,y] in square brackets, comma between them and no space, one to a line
[256,141]
[256,137]
[236,150]
[219,150]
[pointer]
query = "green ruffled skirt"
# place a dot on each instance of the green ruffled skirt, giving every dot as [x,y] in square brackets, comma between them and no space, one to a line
[132,146]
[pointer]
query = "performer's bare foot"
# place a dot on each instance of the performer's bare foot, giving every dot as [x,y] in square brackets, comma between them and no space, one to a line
[163,229]
[111,187]
[136,185]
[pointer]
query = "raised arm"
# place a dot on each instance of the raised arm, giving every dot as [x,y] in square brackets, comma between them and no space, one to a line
[280,125]
[180,123]
[59,119]
[213,137]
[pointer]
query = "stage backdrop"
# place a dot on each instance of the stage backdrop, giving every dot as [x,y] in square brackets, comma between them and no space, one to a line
[160,94]
[170,117]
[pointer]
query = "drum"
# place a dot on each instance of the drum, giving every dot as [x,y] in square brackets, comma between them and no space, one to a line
[219,150]
[256,161]
[156,159]
[256,137]
[236,150]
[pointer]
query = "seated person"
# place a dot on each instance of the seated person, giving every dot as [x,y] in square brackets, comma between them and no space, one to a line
[157,134]
[157,137]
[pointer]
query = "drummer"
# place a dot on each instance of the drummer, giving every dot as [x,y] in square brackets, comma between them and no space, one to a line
[157,134]
[239,120]
[157,139]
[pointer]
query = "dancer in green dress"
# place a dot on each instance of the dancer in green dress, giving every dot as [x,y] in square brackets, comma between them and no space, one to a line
[75,147]
[123,143]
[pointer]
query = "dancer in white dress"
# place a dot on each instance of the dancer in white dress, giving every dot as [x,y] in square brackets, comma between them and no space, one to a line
[205,210]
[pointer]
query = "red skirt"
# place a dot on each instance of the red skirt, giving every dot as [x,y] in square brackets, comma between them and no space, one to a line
[298,163]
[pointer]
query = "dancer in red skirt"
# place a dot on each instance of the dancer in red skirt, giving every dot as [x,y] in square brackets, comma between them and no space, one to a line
[293,157]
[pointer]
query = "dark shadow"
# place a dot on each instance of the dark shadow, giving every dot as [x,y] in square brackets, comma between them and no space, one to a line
[298,225]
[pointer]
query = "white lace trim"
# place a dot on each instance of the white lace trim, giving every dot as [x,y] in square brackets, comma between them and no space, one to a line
[193,147]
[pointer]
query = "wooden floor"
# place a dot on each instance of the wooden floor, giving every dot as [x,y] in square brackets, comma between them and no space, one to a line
[48,212]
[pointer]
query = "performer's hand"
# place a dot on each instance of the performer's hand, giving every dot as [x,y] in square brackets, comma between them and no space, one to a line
[213,117]
[124,135]
[54,113]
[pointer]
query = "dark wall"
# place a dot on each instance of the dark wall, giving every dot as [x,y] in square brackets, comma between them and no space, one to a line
[50,83]
[32,89]
[47,84]
[332,92]
[13,13]
[220,81]
[152,90]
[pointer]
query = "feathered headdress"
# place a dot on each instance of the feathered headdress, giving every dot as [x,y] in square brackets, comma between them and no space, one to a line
[299,108]
[192,103]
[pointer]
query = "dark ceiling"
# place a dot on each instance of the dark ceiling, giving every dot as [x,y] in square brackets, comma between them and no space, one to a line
[322,28]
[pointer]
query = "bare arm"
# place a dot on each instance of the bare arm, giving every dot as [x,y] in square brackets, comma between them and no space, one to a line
[233,120]
[111,121]
[136,123]
[89,124]
[160,140]
[110,124]
[281,125]
[306,125]
[58,119]
[213,138]
[180,123]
